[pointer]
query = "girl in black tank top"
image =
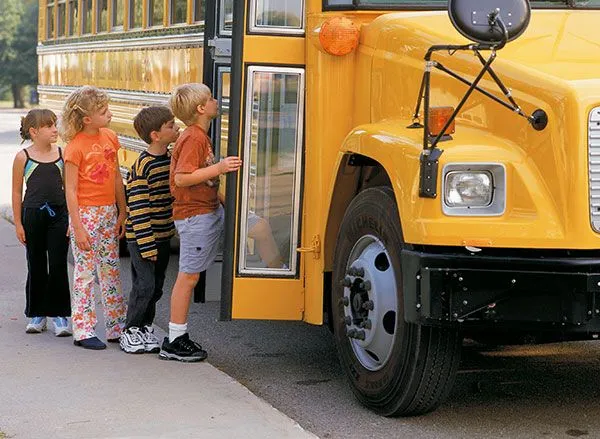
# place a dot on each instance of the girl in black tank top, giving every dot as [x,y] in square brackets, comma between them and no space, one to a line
[41,222]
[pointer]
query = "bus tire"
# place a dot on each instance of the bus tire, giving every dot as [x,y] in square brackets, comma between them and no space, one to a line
[394,368]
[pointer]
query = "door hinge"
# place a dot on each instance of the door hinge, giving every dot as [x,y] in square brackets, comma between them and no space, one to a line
[314,248]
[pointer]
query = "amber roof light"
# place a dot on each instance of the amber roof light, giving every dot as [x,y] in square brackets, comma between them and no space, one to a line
[338,36]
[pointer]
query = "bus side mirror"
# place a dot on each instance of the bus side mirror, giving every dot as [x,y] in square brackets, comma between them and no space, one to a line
[482,20]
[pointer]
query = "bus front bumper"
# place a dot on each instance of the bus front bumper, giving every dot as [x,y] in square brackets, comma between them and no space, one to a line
[510,288]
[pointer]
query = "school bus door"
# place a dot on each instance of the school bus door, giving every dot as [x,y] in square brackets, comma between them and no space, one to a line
[262,269]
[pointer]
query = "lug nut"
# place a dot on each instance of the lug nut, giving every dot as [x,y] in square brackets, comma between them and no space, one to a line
[360,335]
[348,320]
[368,305]
[360,272]
[366,285]
[351,333]
[366,324]
[345,301]
[346,282]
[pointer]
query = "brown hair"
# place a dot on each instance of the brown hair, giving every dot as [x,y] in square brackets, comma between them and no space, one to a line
[36,118]
[151,119]
[82,102]
[185,100]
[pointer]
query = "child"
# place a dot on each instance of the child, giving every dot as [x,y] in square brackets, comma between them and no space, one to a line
[149,226]
[197,211]
[93,186]
[41,222]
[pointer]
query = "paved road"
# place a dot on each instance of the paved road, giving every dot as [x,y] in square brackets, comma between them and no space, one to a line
[548,391]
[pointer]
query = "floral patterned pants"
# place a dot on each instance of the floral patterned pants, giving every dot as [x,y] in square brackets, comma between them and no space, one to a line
[103,260]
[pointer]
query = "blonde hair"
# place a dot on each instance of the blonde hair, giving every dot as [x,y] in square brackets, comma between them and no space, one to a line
[82,102]
[36,118]
[185,99]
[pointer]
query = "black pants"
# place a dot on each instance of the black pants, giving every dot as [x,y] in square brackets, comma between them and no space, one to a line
[147,280]
[47,288]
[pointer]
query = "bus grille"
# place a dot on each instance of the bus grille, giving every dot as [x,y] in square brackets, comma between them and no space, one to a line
[594,167]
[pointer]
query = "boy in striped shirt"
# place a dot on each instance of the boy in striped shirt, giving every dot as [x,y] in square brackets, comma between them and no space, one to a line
[149,226]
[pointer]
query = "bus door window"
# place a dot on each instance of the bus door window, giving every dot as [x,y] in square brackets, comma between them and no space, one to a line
[272,168]
[226,17]
[268,16]
[221,124]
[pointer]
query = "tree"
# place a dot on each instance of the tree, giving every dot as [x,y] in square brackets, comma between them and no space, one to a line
[18,40]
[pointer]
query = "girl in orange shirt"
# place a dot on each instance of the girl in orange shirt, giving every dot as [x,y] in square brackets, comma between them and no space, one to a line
[96,202]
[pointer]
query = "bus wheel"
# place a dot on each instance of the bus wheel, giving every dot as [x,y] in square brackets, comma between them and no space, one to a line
[394,368]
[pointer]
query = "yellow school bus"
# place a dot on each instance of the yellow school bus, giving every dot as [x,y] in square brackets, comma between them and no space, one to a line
[428,170]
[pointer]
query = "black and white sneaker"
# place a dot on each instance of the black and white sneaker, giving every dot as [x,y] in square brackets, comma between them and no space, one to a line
[151,343]
[182,349]
[131,341]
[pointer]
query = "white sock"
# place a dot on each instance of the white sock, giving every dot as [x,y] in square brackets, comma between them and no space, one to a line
[176,329]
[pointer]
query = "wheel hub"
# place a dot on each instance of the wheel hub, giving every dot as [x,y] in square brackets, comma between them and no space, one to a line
[370,302]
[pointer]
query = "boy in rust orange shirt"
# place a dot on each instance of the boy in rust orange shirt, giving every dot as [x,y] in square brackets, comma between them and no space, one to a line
[197,212]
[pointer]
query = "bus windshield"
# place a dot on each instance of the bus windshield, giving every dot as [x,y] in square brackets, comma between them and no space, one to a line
[581,4]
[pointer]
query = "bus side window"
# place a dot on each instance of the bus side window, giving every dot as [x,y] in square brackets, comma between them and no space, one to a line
[50,20]
[87,16]
[61,12]
[282,15]
[73,17]
[116,21]
[102,16]
[178,12]
[135,13]
[157,13]
[198,11]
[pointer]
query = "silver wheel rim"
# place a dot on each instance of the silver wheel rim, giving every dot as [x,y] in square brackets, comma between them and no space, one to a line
[370,302]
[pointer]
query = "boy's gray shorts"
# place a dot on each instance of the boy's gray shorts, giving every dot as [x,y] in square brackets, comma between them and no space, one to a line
[199,237]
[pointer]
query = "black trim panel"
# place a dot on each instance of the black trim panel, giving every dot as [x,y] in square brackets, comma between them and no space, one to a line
[514,288]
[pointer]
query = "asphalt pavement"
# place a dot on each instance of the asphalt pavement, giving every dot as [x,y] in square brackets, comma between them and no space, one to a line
[546,391]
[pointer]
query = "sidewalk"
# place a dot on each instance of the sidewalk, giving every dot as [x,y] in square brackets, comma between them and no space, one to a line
[52,389]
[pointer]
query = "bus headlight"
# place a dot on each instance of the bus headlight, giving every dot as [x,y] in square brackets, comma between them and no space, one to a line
[474,189]
[468,189]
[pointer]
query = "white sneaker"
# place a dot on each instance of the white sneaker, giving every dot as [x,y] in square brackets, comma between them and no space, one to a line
[131,341]
[151,342]
[61,326]
[36,325]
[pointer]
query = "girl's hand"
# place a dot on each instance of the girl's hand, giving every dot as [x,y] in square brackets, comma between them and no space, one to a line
[20,232]
[121,226]
[230,164]
[82,238]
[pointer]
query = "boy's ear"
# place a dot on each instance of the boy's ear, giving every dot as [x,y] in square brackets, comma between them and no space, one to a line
[154,136]
[87,120]
[200,109]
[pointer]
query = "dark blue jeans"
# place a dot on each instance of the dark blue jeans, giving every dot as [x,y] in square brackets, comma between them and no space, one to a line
[147,280]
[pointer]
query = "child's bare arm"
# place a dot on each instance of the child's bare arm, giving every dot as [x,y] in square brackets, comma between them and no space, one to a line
[17,194]
[81,236]
[201,175]
[121,201]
